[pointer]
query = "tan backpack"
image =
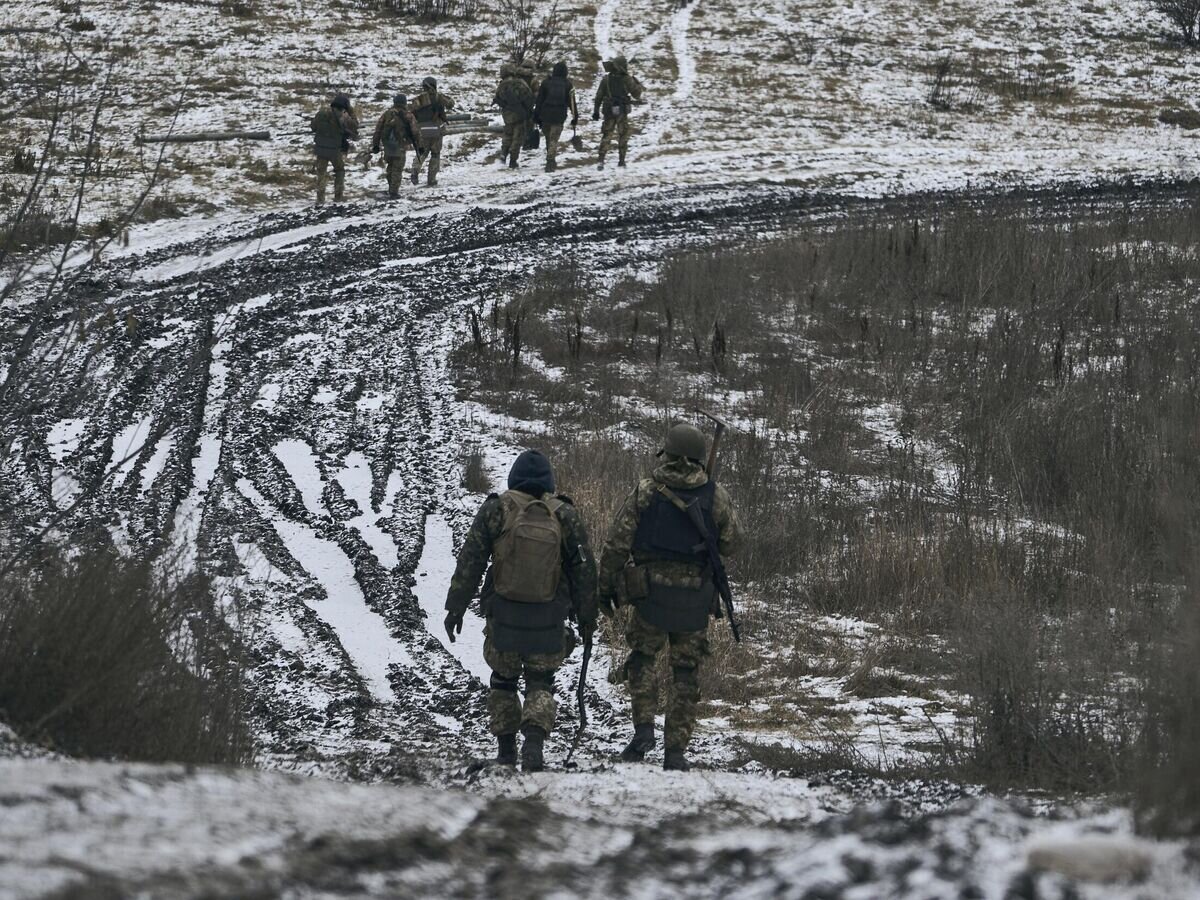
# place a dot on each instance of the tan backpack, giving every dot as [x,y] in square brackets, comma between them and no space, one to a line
[527,557]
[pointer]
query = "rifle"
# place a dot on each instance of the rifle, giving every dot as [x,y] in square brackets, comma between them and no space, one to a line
[719,575]
[720,578]
[583,719]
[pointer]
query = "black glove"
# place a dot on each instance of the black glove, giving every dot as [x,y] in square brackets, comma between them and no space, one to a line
[374,148]
[454,623]
[575,122]
[596,116]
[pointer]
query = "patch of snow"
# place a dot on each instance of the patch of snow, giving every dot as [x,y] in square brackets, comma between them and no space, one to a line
[433,573]
[362,632]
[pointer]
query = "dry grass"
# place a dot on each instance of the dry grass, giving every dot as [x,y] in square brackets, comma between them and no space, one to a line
[106,657]
[976,425]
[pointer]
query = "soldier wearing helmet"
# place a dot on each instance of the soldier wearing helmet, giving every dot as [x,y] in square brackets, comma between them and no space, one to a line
[654,561]
[430,108]
[333,128]
[396,132]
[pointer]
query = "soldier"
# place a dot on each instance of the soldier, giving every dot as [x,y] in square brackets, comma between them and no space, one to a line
[333,128]
[429,109]
[515,100]
[533,538]
[555,98]
[397,130]
[618,90]
[654,560]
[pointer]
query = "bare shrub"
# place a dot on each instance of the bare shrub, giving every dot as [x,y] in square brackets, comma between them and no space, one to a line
[110,657]
[1184,16]
[1168,780]
[426,10]
[475,477]
[530,30]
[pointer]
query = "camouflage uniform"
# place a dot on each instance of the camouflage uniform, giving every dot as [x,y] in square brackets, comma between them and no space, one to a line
[576,591]
[515,100]
[617,89]
[333,128]
[429,109]
[396,132]
[687,649]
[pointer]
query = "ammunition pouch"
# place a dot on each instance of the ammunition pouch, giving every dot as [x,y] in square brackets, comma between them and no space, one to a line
[527,628]
[636,583]
[615,107]
[678,607]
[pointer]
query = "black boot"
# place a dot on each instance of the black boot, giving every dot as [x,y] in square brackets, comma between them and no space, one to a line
[512,164]
[531,751]
[641,744]
[674,761]
[506,753]
[621,161]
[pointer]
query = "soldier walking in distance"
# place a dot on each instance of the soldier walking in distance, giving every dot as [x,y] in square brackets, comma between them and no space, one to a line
[429,109]
[333,128]
[618,90]
[396,133]
[654,560]
[555,99]
[541,573]
[515,100]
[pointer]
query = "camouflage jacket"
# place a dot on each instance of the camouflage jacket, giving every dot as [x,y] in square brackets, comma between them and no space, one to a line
[631,86]
[476,553]
[515,99]
[333,128]
[396,126]
[431,107]
[618,549]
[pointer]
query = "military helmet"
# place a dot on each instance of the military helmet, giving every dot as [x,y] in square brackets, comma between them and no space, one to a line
[341,101]
[506,69]
[430,83]
[685,440]
[619,64]
[400,100]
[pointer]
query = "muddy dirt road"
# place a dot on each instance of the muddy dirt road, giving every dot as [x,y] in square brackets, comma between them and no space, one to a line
[284,383]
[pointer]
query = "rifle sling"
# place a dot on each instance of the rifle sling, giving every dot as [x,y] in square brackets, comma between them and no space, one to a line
[686,509]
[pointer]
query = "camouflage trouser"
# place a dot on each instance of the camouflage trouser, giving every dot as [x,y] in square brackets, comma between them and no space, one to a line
[339,177]
[431,149]
[553,133]
[620,125]
[514,139]
[504,706]
[395,171]
[687,652]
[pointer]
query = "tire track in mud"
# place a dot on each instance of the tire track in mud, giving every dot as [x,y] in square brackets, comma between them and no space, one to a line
[334,345]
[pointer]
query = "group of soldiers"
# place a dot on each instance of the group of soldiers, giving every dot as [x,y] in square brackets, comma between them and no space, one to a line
[528,105]
[542,574]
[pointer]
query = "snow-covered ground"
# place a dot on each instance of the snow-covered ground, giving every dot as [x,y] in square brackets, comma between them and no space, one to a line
[814,93]
[98,829]
[318,454]
[308,435]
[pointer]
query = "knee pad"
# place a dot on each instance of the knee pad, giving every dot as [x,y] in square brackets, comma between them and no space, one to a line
[543,681]
[685,676]
[500,683]
[636,664]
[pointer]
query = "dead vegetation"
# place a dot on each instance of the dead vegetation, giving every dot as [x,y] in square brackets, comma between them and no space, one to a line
[979,425]
[107,657]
